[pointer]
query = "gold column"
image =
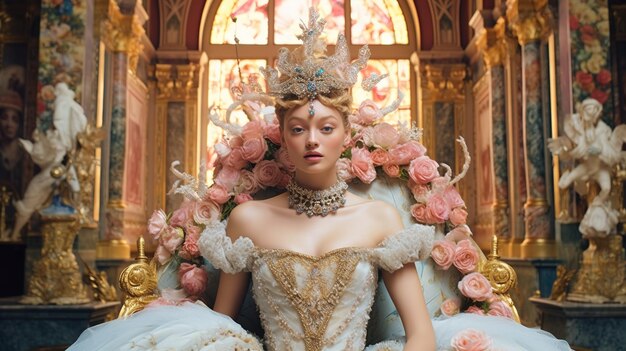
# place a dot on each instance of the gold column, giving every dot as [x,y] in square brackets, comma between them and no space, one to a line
[492,43]
[123,32]
[531,22]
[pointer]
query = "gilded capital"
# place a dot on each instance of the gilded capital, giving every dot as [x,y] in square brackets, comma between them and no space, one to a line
[123,32]
[530,20]
[492,42]
[176,82]
[443,81]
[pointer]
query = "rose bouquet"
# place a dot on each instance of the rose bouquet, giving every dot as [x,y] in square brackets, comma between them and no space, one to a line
[251,159]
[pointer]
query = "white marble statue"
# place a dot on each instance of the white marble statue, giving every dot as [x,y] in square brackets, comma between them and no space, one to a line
[48,151]
[596,149]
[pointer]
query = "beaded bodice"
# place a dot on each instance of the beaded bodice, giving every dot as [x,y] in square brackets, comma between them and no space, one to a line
[315,302]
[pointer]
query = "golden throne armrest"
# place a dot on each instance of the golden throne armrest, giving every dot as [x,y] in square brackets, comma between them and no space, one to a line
[138,283]
[501,276]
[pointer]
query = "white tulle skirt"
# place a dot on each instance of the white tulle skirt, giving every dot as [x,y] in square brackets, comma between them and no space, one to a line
[196,327]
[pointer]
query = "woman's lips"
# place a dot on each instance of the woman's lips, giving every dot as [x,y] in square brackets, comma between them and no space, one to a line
[313,157]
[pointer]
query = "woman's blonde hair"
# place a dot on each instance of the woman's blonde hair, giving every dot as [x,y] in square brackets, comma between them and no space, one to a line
[339,100]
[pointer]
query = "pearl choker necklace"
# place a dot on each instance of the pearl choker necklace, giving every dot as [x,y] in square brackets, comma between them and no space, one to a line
[317,202]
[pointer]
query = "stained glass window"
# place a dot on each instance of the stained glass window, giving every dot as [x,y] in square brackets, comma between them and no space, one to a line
[386,92]
[290,13]
[251,25]
[378,22]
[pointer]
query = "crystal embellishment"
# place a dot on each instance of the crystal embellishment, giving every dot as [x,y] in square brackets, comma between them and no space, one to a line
[317,202]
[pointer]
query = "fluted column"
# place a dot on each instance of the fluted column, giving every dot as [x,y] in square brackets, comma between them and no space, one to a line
[531,21]
[492,43]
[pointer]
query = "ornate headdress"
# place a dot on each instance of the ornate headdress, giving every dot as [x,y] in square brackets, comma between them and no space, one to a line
[306,72]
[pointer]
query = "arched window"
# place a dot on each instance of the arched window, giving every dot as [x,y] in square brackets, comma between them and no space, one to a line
[264,26]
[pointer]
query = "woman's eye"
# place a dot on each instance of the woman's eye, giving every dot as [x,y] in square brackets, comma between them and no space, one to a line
[297,130]
[327,129]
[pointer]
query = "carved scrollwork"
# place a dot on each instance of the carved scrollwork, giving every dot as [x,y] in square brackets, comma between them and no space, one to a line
[139,282]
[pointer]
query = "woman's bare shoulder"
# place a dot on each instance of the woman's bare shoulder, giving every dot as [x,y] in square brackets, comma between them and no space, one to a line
[251,215]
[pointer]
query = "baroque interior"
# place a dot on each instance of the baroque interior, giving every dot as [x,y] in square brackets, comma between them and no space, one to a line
[513,78]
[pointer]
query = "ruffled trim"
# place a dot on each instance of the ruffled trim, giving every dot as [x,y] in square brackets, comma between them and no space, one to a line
[390,345]
[224,254]
[409,245]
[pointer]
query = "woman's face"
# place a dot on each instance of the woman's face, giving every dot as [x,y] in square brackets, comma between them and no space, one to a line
[314,143]
[9,123]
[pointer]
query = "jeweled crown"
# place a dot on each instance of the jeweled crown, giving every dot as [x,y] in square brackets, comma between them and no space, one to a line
[310,73]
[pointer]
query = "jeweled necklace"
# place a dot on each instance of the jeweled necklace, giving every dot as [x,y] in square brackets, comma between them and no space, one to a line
[317,202]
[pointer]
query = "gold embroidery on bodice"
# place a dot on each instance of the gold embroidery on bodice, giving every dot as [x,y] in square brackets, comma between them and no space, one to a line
[316,296]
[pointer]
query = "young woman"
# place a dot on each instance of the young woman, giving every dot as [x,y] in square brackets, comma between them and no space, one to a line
[313,253]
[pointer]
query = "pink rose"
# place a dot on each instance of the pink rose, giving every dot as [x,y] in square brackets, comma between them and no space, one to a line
[438,209]
[385,135]
[471,340]
[367,113]
[422,170]
[450,307]
[235,159]
[267,173]
[420,191]
[443,253]
[252,130]
[420,213]
[476,287]
[206,212]
[458,216]
[362,165]
[465,256]
[253,150]
[241,198]
[247,183]
[156,223]
[392,170]
[453,198]
[440,183]
[284,180]
[218,194]
[189,249]
[344,169]
[500,308]
[235,142]
[282,157]
[172,237]
[227,177]
[272,132]
[459,233]
[192,231]
[405,153]
[162,255]
[379,157]
[475,310]
[182,215]
[193,279]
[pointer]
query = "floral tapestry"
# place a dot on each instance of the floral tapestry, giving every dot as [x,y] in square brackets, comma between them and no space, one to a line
[590,40]
[61,52]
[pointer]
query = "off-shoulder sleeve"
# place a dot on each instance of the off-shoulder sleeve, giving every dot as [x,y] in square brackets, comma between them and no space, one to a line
[411,244]
[222,252]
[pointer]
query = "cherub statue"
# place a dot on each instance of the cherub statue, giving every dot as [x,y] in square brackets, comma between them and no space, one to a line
[596,148]
[48,151]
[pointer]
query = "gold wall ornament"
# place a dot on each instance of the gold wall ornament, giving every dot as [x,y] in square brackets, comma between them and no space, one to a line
[124,32]
[492,42]
[529,20]
[138,282]
[600,278]
[85,162]
[177,82]
[56,278]
[100,287]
